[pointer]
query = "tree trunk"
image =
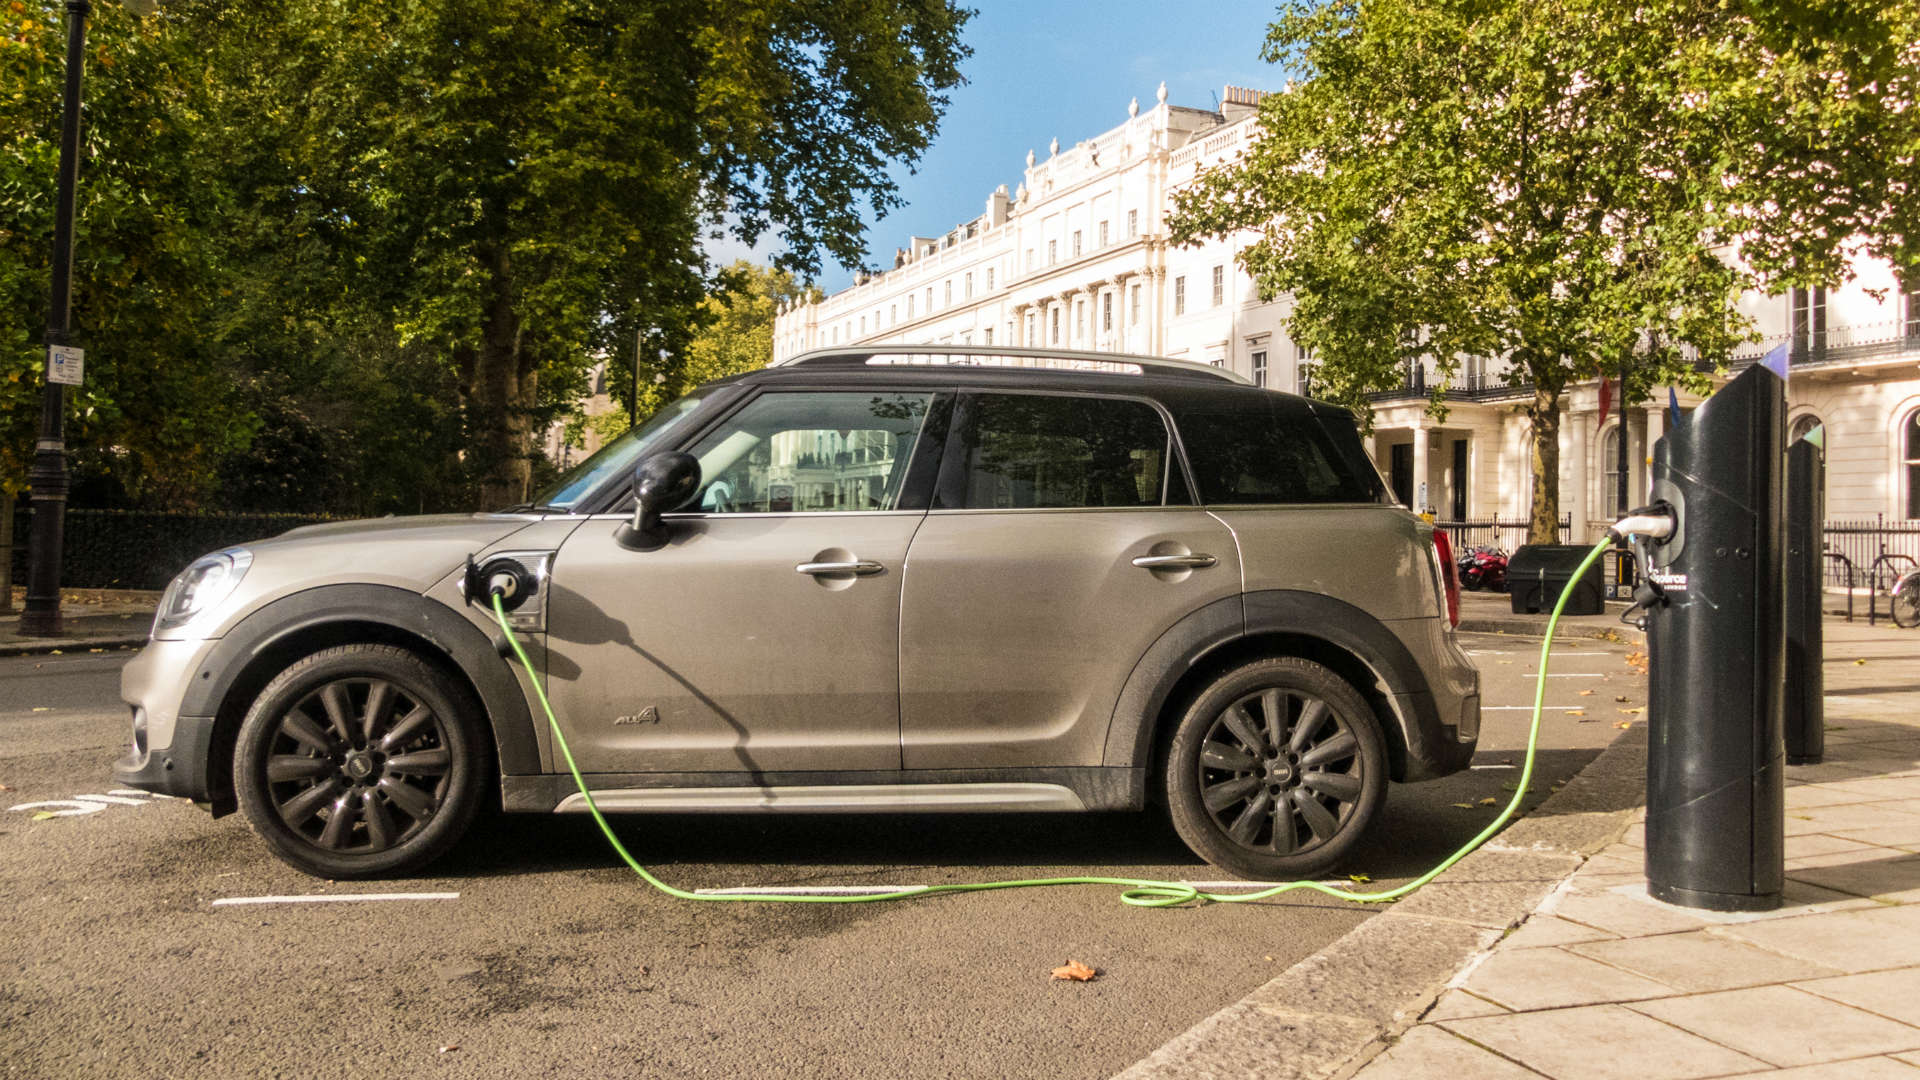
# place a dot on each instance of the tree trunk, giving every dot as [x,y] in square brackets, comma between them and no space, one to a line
[1543,518]
[499,384]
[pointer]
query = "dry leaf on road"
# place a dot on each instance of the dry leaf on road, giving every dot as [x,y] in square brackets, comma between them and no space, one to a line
[1075,970]
[1586,693]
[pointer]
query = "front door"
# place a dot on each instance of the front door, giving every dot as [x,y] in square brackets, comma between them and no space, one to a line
[764,635]
[1400,471]
[1049,564]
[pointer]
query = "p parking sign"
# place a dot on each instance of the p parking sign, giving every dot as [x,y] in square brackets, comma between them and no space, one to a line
[65,364]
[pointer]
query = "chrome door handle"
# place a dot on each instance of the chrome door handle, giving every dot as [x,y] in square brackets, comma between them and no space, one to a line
[862,567]
[1196,561]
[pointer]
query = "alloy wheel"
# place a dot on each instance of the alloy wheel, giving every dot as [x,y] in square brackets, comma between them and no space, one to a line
[1280,771]
[358,765]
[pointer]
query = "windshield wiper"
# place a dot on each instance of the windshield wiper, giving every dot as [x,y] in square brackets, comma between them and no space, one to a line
[535,508]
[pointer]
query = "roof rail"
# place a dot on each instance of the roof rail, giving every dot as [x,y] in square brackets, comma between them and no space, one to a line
[1102,363]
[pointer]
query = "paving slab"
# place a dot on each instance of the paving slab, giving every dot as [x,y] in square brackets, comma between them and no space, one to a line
[1430,1053]
[1784,1026]
[1700,961]
[1601,1042]
[1555,979]
[1893,994]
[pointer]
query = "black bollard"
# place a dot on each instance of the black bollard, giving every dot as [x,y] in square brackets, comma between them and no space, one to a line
[1716,795]
[1806,732]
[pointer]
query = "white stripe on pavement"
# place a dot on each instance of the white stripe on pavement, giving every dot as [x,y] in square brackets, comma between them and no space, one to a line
[859,890]
[1526,708]
[334,898]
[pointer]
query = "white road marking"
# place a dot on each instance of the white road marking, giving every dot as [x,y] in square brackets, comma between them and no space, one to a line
[1493,766]
[1526,708]
[334,898]
[118,800]
[93,804]
[1568,674]
[75,807]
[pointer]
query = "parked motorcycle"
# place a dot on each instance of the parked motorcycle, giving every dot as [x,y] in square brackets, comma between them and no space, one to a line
[1484,567]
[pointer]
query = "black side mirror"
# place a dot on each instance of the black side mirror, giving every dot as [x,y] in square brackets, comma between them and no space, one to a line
[661,483]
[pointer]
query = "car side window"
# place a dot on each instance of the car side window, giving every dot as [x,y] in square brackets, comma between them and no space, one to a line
[810,452]
[1039,451]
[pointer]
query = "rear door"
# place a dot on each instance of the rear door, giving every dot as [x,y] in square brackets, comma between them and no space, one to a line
[1061,545]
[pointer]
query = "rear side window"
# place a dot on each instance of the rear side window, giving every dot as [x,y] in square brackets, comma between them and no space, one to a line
[1035,451]
[1250,451]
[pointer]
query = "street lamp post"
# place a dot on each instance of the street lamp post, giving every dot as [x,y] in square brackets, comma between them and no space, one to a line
[48,477]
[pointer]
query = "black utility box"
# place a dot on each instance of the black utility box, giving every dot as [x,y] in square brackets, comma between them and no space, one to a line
[1538,572]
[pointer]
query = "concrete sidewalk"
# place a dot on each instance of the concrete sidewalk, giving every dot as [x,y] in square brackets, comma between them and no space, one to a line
[1601,981]
[92,618]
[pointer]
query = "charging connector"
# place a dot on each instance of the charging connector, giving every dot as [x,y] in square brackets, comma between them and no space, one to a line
[502,577]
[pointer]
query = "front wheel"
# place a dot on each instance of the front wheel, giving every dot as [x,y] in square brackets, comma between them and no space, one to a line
[361,760]
[1906,601]
[1276,770]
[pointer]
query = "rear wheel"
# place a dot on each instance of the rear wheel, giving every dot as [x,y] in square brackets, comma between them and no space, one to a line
[361,760]
[1276,770]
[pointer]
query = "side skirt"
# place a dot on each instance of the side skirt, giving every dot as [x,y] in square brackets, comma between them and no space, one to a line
[905,790]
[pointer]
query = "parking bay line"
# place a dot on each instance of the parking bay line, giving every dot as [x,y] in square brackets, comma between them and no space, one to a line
[334,898]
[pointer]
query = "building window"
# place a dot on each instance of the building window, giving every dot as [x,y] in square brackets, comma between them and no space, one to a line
[1106,313]
[969,284]
[909,307]
[833,336]
[1610,474]
[1076,243]
[1260,368]
[986,336]
[947,299]
[1032,329]
[989,279]
[1029,261]
[1134,301]
[1304,369]
[1219,285]
[1180,295]
[1912,296]
[1053,252]
[1910,444]
[929,299]
[1798,430]
[1080,320]
[863,326]
[1133,223]
[1807,320]
[1056,324]
[1103,234]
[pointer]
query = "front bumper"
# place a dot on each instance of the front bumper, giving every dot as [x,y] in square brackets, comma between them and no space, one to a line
[170,754]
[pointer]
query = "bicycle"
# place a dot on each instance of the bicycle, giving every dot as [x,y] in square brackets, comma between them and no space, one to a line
[1905,603]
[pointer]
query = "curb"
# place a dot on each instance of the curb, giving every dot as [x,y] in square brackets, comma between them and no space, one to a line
[1522,626]
[1328,1015]
[64,645]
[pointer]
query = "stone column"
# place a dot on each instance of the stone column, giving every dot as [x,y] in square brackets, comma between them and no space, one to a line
[1420,495]
[1576,472]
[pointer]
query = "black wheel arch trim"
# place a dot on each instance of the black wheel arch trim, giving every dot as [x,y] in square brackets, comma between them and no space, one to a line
[458,641]
[1426,747]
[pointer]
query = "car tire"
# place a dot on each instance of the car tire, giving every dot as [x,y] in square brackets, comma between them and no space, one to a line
[1276,770]
[360,761]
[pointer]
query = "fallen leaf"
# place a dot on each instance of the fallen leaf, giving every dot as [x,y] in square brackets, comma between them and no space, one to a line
[43,708]
[1576,712]
[1619,697]
[1586,693]
[1859,663]
[1360,879]
[449,1048]
[1464,805]
[1489,801]
[4,787]
[1637,709]
[1268,959]
[1075,970]
[56,652]
[1624,725]
[96,650]
[44,815]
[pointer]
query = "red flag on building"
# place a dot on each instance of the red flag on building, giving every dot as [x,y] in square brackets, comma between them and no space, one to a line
[1606,400]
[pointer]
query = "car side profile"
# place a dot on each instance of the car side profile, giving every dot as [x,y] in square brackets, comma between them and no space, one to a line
[885,579]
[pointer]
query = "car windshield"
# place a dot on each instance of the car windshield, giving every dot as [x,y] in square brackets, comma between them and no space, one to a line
[617,456]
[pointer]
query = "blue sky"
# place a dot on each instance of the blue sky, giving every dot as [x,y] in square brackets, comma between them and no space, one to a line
[1049,69]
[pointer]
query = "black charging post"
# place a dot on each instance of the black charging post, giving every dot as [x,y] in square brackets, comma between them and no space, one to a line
[1806,733]
[1716,793]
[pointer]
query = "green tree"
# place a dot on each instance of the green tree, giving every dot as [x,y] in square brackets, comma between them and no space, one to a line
[1500,179]
[158,410]
[518,185]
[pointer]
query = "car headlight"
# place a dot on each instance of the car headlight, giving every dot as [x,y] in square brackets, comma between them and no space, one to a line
[200,588]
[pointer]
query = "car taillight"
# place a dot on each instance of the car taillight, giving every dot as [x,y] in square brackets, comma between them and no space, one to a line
[1449,575]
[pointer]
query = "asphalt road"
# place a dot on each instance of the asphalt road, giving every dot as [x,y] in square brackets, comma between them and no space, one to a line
[555,960]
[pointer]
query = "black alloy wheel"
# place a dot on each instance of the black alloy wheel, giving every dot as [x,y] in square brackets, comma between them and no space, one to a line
[360,760]
[1276,769]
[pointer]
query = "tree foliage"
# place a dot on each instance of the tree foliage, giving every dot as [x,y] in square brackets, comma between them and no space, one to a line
[380,242]
[1543,184]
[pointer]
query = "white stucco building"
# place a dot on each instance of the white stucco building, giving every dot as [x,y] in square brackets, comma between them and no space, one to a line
[1078,257]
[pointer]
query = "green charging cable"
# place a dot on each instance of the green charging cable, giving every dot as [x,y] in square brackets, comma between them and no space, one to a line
[1140,892]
